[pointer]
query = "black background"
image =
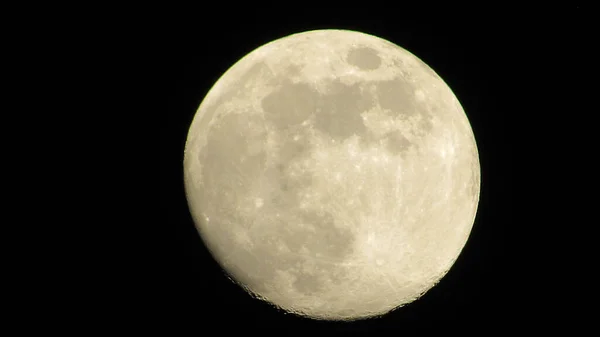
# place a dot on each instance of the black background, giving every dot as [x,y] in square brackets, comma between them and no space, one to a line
[485,57]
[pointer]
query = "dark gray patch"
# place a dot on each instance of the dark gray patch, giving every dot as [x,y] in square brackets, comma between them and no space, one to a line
[364,58]
[339,111]
[397,96]
[396,143]
[289,105]
[293,70]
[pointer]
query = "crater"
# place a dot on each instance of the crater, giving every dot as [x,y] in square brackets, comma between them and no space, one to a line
[293,70]
[338,111]
[289,105]
[364,58]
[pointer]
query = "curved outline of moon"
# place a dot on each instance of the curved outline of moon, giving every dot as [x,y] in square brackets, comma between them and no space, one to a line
[332,174]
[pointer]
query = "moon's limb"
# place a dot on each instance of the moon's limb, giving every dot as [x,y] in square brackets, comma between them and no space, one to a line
[336,182]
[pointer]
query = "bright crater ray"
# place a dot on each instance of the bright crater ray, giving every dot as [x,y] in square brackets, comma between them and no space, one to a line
[333,174]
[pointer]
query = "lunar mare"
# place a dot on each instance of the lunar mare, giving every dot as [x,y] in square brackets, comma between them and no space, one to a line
[332,174]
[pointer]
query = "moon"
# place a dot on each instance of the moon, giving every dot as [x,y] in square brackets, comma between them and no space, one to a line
[332,174]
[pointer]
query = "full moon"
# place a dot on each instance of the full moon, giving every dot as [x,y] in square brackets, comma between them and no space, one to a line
[332,174]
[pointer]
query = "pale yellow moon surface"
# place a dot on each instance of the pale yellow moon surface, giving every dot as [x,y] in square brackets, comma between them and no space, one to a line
[332,174]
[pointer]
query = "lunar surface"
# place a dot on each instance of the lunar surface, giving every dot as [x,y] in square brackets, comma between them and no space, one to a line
[332,174]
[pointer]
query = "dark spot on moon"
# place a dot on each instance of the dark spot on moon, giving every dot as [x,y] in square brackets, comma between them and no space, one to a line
[293,70]
[289,105]
[396,143]
[364,58]
[339,111]
[398,96]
